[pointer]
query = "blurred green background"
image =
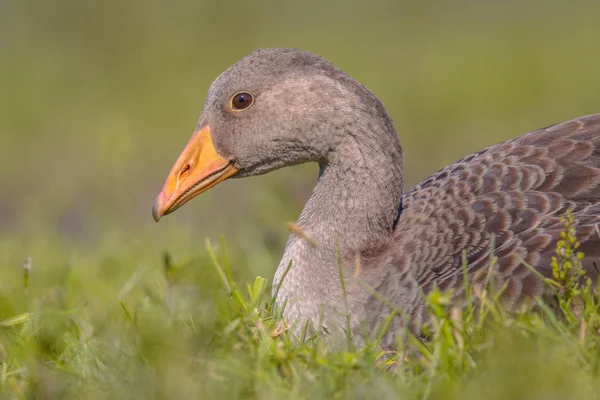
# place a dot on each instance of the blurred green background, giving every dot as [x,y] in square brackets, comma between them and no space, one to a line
[97,98]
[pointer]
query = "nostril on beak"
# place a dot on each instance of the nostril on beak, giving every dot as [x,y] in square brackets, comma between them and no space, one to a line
[184,172]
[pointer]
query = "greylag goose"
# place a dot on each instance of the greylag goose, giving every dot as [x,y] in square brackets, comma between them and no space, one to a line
[281,107]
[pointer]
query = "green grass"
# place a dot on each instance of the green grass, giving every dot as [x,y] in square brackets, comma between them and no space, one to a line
[191,329]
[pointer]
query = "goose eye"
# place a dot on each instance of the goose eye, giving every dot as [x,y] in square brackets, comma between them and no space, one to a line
[241,101]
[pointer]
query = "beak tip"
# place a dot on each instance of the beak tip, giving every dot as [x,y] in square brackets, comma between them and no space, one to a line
[156,213]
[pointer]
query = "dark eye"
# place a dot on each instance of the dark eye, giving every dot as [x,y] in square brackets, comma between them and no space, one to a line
[241,101]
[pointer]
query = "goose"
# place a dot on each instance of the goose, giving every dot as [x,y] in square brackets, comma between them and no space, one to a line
[280,107]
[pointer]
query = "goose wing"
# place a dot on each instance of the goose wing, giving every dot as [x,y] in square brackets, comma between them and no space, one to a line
[514,194]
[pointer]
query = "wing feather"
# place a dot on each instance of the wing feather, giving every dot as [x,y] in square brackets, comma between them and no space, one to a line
[513,193]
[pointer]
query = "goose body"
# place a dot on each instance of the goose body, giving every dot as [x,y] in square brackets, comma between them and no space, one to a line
[281,107]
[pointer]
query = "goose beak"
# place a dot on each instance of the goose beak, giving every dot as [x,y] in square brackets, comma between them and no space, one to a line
[198,168]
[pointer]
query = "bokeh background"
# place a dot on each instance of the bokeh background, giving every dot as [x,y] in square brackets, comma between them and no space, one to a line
[97,98]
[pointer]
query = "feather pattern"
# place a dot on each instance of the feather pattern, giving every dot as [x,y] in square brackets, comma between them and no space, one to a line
[513,193]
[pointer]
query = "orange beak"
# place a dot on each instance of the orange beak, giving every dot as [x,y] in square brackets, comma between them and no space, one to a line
[197,169]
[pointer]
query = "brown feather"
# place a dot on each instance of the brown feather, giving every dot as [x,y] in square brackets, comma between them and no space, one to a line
[516,191]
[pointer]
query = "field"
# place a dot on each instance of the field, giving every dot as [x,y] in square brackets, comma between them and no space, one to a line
[98,98]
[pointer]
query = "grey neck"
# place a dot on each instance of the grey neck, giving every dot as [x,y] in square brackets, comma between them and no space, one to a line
[356,199]
[353,208]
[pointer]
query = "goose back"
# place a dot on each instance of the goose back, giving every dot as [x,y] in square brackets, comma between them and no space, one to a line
[513,194]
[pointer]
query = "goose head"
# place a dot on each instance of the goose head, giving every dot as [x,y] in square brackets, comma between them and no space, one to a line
[273,108]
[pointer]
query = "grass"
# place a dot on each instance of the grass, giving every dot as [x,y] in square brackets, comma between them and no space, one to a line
[190,329]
